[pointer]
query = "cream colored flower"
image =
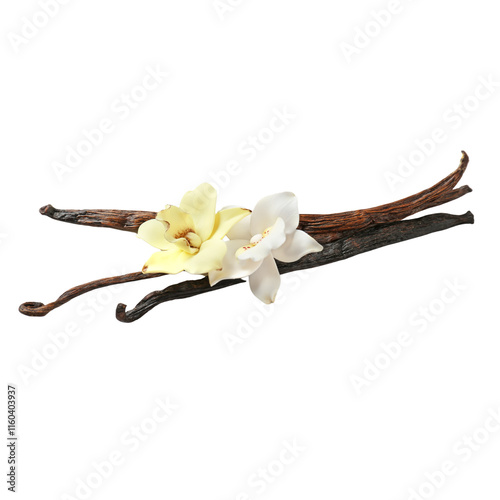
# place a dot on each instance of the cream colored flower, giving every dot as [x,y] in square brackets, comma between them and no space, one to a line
[269,233]
[189,236]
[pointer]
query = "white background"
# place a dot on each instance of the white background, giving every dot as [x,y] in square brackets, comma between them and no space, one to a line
[291,378]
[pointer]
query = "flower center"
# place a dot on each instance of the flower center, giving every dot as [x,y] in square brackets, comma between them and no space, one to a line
[193,240]
[254,240]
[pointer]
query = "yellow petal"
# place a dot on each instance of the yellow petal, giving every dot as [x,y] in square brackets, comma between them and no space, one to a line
[169,262]
[226,219]
[153,232]
[200,204]
[209,257]
[178,222]
[182,244]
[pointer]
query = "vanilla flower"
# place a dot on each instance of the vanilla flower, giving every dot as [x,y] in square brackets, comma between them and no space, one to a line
[269,233]
[189,237]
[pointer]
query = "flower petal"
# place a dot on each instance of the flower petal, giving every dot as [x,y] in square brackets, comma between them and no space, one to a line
[183,244]
[153,232]
[169,262]
[266,280]
[274,238]
[200,204]
[226,219]
[208,259]
[268,209]
[178,222]
[241,230]
[296,246]
[232,267]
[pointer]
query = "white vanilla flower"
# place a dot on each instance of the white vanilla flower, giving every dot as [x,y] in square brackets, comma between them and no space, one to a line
[269,233]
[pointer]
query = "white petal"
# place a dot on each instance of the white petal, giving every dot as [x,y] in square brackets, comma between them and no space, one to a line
[274,239]
[265,281]
[232,267]
[241,230]
[296,246]
[267,210]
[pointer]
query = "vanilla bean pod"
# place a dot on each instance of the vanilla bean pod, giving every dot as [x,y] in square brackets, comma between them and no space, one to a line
[40,309]
[364,241]
[124,220]
[323,227]
[328,228]
[346,228]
